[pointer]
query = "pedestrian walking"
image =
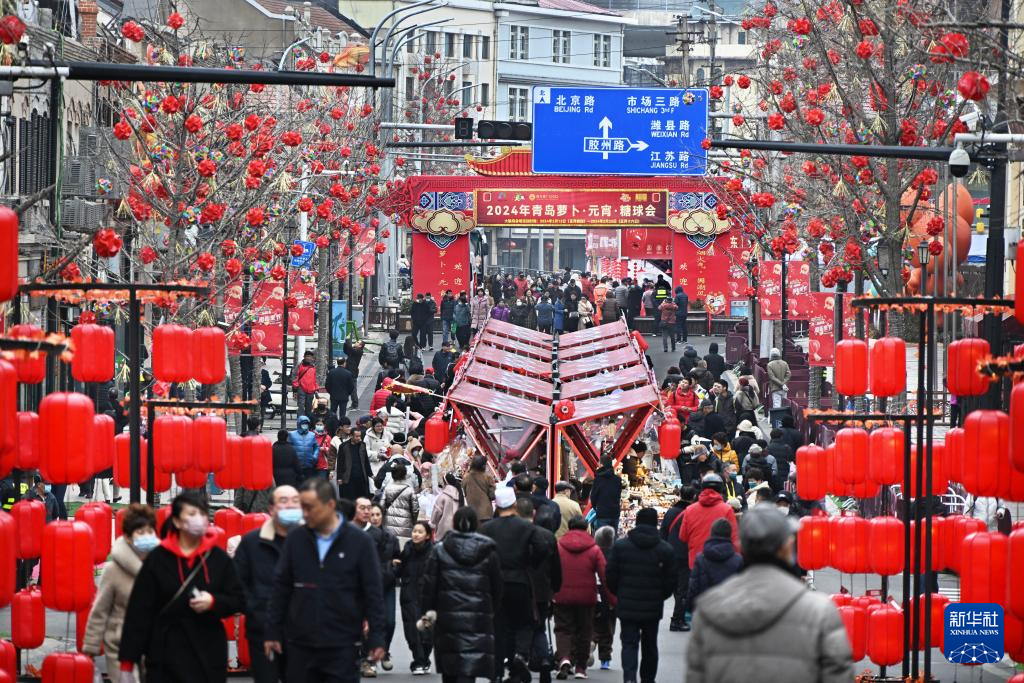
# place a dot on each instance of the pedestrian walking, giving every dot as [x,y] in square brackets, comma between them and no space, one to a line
[463,590]
[682,302]
[412,564]
[610,311]
[353,467]
[586,311]
[305,384]
[463,320]
[794,634]
[481,309]
[669,531]
[388,550]
[568,507]
[303,441]
[391,354]
[442,360]
[667,311]
[604,610]
[341,387]
[641,574]
[546,580]
[606,495]
[185,587]
[255,561]
[558,317]
[583,569]
[717,562]
[545,311]
[450,499]
[399,503]
[327,583]
[478,486]
[695,528]
[426,339]
[106,617]
[447,313]
[779,375]
[715,361]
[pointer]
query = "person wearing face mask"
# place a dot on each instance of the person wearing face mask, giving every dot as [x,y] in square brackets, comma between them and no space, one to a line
[103,629]
[323,443]
[306,448]
[255,561]
[186,586]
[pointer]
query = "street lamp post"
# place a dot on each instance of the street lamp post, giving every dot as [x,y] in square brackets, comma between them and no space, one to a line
[923,255]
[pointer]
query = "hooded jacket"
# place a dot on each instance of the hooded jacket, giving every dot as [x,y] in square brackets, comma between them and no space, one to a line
[463,583]
[641,573]
[697,520]
[606,493]
[688,361]
[583,564]
[286,465]
[306,448]
[401,508]
[765,620]
[684,403]
[108,609]
[255,560]
[445,505]
[718,562]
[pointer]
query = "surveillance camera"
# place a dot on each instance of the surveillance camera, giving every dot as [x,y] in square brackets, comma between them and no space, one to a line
[959,162]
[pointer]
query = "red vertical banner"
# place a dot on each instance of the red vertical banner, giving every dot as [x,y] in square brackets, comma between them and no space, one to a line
[365,261]
[821,349]
[232,300]
[435,269]
[268,308]
[850,318]
[769,290]
[798,290]
[302,316]
[711,274]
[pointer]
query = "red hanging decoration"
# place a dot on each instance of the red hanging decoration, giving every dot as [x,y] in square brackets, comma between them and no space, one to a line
[31,366]
[855,619]
[885,538]
[68,667]
[122,465]
[1015,587]
[94,353]
[670,435]
[962,376]
[640,341]
[8,554]
[27,455]
[98,516]
[172,443]
[955,454]
[191,478]
[937,633]
[230,520]
[8,416]
[888,365]
[209,439]
[956,529]
[1017,422]
[885,466]
[30,517]
[851,367]
[435,434]
[28,619]
[986,442]
[258,468]
[850,545]
[8,253]
[209,354]
[172,353]
[851,455]
[983,567]
[67,562]
[812,477]
[813,545]
[102,443]
[8,660]
[940,480]
[65,438]
[236,452]
[885,636]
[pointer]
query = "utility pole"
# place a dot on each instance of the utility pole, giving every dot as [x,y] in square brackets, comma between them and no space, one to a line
[712,38]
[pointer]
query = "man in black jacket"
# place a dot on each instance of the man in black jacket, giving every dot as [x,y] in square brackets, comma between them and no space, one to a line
[606,495]
[255,561]
[641,572]
[327,583]
[426,340]
[447,311]
[669,532]
[715,361]
[419,314]
[442,359]
[341,387]
[634,297]
[780,449]
[353,357]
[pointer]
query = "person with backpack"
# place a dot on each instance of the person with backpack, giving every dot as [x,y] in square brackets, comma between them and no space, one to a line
[391,355]
[305,384]
[716,563]
[400,505]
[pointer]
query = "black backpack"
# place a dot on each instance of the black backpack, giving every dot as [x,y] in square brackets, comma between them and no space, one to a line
[392,352]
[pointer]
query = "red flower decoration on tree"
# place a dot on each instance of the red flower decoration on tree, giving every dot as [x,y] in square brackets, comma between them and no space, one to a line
[233,267]
[291,138]
[305,204]
[87,318]
[147,254]
[254,216]
[323,241]
[341,273]
[106,242]
[205,262]
[122,130]
[278,272]
[814,117]
[170,105]
[175,21]
[973,86]
[380,247]
[207,168]
[132,31]
[193,123]
[716,92]
[11,29]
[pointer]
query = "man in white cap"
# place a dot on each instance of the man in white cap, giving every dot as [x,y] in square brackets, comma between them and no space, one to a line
[779,375]
[764,619]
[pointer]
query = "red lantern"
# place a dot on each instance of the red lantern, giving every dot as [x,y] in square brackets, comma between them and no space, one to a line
[565,409]
[172,443]
[640,341]
[8,553]
[172,353]
[850,545]
[670,434]
[66,574]
[258,468]
[1017,423]
[813,550]
[885,538]
[435,434]
[28,441]
[1014,586]
[986,442]
[30,516]
[209,353]
[855,619]
[254,520]
[851,455]
[957,528]
[962,374]
[65,438]
[1013,638]
[955,453]
[885,466]
[1011,482]
[8,412]
[939,553]
[851,368]
[30,366]
[28,619]
[937,626]
[122,465]
[812,475]
[230,520]
[209,438]
[67,667]
[94,353]
[98,516]
[888,365]
[236,452]
[983,567]
[8,253]
[8,660]
[102,443]
[940,480]
[191,478]
[885,636]
[840,599]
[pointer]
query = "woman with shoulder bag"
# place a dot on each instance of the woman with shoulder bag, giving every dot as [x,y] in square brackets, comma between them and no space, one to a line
[186,585]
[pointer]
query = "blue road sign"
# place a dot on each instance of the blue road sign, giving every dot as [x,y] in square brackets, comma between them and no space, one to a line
[620,131]
[307,254]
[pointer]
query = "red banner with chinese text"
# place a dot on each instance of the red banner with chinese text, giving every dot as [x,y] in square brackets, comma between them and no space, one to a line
[603,243]
[821,349]
[641,243]
[562,208]
[268,308]
[434,269]
[232,300]
[798,290]
[710,274]
[769,290]
[365,261]
[302,316]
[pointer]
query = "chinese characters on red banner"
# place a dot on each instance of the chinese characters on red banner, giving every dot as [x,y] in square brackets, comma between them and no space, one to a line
[232,300]
[365,261]
[712,274]
[822,344]
[559,208]
[641,243]
[268,308]
[301,317]
[440,269]
[769,290]
[798,290]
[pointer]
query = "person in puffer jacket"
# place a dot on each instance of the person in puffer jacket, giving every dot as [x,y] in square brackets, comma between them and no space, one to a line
[718,561]
[400,505]
[306,448]
[583,564]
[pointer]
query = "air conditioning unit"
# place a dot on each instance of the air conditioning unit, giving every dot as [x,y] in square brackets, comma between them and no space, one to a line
[80,176]
[91,141]
[83,215]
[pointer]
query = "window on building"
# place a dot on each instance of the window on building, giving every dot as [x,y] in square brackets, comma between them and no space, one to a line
[519,42]
[700,76]
[431,42]
[560,44]
[741,38]
[518,102]
[485,94]
[410,47]
[485,47]
[467,46]
[466,93]
[602,50]
[410,87]
[449,44]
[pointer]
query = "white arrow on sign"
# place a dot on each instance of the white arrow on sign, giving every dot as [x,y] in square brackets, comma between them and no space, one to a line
[606,144]
[605,125]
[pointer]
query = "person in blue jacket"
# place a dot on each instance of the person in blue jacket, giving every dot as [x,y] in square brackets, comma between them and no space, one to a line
[559,315]
[306,448]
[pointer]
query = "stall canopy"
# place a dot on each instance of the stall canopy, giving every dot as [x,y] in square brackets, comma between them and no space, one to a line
[520,391]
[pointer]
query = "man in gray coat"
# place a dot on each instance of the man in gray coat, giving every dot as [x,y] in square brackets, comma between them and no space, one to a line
[764,619]
[779,375]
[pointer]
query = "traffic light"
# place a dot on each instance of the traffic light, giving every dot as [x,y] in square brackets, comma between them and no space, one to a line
[504,130]
[463,128]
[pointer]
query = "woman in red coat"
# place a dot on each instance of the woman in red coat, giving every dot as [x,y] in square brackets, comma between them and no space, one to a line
[582,564]
[684,400]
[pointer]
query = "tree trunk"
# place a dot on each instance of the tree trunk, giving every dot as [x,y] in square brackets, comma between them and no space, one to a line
[235,365]
[323,351]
